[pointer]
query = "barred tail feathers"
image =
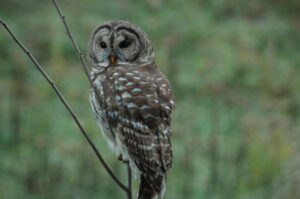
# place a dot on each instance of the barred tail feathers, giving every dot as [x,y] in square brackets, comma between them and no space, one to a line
[152,187]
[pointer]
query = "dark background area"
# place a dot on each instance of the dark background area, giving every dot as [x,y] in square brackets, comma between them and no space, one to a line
[235,69]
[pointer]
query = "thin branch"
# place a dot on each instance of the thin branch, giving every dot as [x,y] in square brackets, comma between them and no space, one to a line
[65,103]
[80,55]
[129,193]
[69,34]
[75,45]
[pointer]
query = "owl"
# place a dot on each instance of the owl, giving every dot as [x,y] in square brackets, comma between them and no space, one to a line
[136,102]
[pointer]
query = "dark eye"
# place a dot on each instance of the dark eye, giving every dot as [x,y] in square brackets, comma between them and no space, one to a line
[124,44]
[103,44]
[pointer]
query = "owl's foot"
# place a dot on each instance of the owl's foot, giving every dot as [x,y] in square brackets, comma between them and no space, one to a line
[120,158]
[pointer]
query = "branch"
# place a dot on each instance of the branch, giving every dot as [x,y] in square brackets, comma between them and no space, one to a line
[65,103]
[129,193]
[80,55]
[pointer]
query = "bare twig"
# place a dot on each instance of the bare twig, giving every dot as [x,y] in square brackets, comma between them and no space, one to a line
[65,103]
[69,34]
[129,193]
[80,55]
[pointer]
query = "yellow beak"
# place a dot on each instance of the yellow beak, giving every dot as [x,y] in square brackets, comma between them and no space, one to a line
[113,59]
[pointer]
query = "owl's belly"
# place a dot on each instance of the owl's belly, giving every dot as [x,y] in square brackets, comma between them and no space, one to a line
[109,133]
[102,122]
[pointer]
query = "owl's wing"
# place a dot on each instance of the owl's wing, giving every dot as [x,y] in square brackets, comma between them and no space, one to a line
[139,107]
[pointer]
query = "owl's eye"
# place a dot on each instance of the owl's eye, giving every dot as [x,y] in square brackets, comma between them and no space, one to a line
[124,44]
[103,44]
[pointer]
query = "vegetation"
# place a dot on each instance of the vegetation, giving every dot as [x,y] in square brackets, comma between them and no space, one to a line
[234,66]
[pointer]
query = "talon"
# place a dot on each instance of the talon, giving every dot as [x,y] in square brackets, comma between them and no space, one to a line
[120,158]
[126,161]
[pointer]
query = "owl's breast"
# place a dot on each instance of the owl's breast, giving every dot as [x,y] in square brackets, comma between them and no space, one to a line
[132,94]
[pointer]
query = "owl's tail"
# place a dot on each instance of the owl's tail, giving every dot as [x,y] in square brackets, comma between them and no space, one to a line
[152,187]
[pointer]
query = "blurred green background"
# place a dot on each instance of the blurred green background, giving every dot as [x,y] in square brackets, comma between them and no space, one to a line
[235,69]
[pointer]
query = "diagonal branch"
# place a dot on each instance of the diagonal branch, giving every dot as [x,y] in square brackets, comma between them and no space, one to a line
[68,32]
[65,103]
[129,193]
[74,43]
[80,55]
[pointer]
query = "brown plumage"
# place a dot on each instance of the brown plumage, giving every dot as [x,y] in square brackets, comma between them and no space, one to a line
[136,102]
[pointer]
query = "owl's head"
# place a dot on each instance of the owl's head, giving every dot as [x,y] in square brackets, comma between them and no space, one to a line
[119,42]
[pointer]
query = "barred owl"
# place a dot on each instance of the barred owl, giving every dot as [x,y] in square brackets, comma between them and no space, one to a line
[136,102]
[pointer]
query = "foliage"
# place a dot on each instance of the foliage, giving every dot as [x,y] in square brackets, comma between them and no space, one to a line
[234,66]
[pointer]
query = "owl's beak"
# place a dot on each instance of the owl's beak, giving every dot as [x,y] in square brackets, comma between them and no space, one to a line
[112,59]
